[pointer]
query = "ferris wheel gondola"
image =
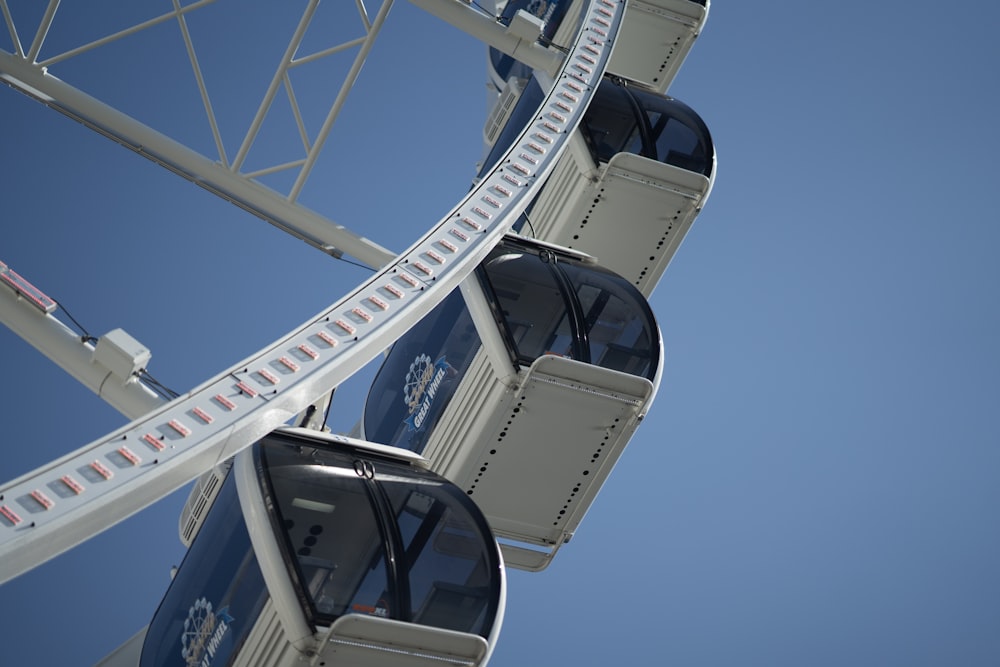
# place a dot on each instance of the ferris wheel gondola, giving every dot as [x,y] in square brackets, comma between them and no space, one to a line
[655,37]
[343,550]
[637,172]
[549,397]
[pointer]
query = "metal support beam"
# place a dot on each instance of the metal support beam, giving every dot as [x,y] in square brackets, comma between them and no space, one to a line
[487,29]
[486,326]
[63,346]
[338,104]
[257,199]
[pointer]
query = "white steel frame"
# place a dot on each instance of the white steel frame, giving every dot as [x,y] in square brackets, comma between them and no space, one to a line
[174,443]
[219,174]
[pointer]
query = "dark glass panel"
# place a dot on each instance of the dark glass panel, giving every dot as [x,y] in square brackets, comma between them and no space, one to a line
[621,332]
[680,136]
[445,571]
[215,597]
[331,531]
[420,375]
[449,558]
[532,304]
[627,119]
[612,124]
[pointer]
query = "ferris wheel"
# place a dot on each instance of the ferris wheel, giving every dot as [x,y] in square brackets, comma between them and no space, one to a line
[172,442]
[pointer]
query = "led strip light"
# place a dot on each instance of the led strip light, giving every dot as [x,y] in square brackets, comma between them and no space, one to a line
[75,497]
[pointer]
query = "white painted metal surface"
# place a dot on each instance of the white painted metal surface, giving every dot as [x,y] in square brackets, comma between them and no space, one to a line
[534,456]
[656,36]
[369,641]
[631,213]
[491,32]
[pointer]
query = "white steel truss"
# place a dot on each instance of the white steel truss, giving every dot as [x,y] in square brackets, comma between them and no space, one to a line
[30,68]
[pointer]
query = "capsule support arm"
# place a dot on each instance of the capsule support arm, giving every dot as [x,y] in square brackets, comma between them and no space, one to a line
[495,34]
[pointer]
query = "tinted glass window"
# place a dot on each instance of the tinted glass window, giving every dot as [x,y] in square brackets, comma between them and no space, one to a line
[572,310]
[532,304]
[401,543]
[620,328]
[331,531]
[449,559]
[623,119]
[420,375]
[679,134]
[215,597]
[611,124]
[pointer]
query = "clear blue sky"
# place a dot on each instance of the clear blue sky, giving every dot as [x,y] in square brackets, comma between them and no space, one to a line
[817,483]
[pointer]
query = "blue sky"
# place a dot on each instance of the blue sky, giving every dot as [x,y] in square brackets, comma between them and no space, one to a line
[817,481]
